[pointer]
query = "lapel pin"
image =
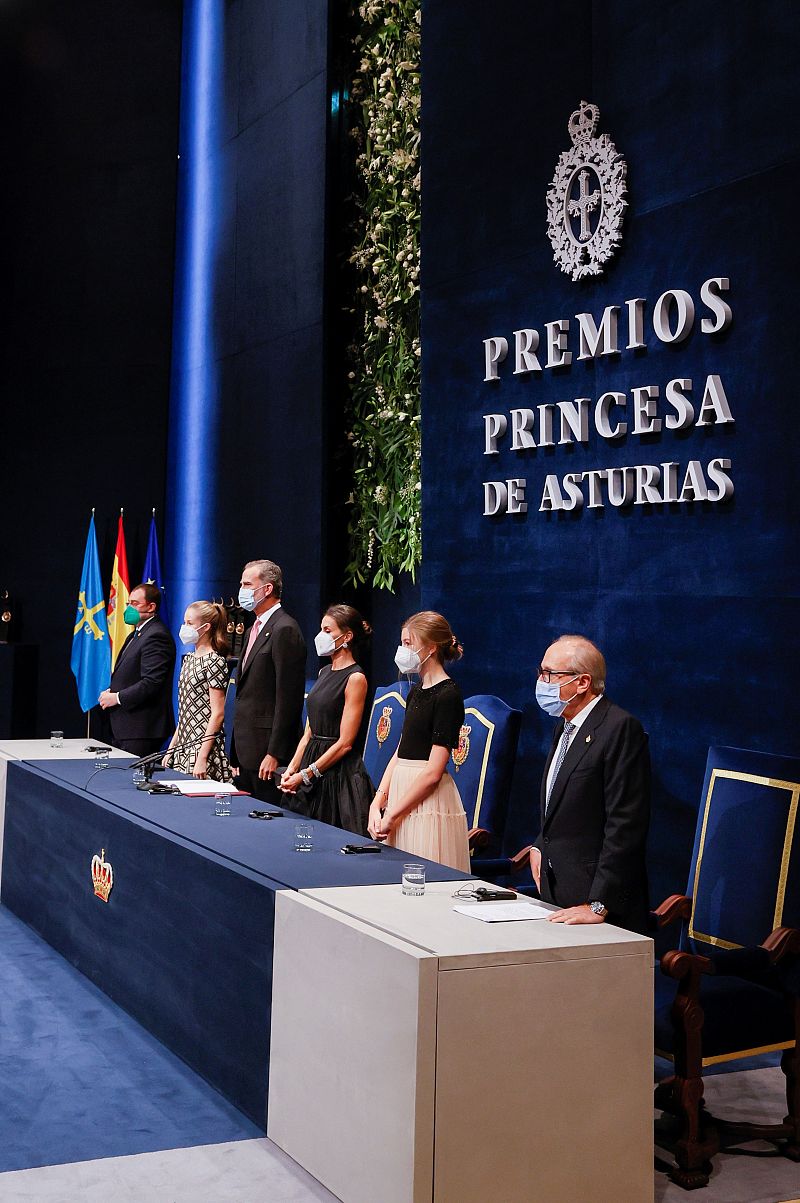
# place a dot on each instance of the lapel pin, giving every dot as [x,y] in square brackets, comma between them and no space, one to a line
[588,739]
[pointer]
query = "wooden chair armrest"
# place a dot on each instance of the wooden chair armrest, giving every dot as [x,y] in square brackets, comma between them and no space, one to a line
[685,967]
[520,860]
[478,837]
[677,906]
[782,942]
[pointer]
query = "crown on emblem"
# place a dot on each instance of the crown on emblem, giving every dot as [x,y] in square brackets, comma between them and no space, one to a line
[583,122]
[102,875]
[384,725]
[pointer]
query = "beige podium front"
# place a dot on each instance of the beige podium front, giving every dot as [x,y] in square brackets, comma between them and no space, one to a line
[419,1054]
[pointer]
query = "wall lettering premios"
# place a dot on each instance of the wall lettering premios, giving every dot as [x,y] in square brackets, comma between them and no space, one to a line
[645,410]
[586,204]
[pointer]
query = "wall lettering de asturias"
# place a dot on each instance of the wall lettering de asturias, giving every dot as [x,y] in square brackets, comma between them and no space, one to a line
[648,409]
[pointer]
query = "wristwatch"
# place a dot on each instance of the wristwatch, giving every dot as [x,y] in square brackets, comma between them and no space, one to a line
[599,908]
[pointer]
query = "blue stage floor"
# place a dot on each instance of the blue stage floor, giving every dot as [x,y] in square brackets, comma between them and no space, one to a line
[80,1079]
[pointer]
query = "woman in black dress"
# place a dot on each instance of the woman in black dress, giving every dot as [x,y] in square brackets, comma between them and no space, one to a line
[326,776]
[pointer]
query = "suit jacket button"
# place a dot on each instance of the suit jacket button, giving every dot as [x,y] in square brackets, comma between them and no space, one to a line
[547,839]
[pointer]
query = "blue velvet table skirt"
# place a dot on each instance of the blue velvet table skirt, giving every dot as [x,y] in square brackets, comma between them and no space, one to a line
[184,942]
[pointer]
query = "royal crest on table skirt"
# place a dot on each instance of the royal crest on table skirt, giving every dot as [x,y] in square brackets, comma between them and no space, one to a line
[102,875]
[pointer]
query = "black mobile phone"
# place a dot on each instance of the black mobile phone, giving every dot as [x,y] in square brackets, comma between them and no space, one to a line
[97,748]
[355,848]
[484,895]
[266,814]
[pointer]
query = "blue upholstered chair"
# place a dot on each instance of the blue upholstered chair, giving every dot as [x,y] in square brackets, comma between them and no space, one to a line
[482,766]
[385,726]
[737,964]
[310,683]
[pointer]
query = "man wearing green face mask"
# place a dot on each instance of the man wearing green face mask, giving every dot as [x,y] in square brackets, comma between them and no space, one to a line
[139,698]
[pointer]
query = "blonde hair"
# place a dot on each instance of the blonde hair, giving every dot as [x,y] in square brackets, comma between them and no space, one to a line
[434,628]
[217,618]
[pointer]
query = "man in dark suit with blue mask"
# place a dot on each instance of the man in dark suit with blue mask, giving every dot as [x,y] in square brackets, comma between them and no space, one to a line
[138,701]
[589,857]
[270,684]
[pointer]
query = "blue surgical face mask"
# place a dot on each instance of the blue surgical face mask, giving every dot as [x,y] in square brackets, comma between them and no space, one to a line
[549,697]
[247,598]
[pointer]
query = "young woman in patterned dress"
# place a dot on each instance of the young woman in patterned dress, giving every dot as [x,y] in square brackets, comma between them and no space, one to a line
[202,685]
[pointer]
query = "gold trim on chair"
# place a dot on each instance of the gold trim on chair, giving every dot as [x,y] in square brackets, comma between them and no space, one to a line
[794,789]
[490,726]
[738,1056]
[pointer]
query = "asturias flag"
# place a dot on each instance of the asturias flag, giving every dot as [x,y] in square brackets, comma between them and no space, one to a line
[152,568]
[118,596]
[91,653]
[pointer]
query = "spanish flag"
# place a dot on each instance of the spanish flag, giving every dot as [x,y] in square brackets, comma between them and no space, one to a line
[118,595]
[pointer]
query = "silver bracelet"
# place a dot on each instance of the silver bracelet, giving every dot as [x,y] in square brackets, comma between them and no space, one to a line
[312,768]
[305,777]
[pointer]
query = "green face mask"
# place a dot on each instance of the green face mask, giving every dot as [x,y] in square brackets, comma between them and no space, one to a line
[131,616]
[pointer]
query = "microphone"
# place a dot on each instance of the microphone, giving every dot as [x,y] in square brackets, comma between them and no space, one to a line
[148,763]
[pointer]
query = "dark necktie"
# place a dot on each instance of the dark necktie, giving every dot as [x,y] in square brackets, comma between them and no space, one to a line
[562,751]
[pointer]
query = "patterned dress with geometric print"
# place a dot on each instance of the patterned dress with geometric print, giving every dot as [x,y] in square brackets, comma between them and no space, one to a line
[199,674]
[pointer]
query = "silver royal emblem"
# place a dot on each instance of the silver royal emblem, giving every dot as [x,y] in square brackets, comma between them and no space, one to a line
[586,199]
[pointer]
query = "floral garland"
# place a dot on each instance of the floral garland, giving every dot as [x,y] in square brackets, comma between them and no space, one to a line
[383,408]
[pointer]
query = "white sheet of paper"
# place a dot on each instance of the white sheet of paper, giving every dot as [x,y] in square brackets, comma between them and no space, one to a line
[504,912]
[200,785]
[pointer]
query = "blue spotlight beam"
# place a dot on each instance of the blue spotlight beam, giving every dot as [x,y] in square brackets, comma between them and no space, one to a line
[194,401]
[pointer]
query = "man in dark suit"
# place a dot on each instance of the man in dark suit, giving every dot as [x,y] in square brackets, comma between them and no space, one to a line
[270,684]
[139,698]
[589,857]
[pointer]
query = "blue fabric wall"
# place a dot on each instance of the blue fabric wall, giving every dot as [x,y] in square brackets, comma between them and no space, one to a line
[256,373]
[695,606]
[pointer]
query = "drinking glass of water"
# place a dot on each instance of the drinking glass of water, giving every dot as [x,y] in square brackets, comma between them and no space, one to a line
[413,880]
[303,837]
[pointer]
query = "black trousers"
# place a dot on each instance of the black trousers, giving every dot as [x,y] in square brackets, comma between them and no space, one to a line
[265,791]
[139,747]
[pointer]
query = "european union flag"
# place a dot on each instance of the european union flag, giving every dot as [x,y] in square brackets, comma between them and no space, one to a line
[91,651]
[152,568]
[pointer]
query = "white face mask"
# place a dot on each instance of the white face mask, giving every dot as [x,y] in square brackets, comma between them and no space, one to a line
[325,643]
[190,635]
[407,659]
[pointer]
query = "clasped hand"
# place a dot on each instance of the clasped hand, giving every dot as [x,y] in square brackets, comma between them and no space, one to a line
[379,824]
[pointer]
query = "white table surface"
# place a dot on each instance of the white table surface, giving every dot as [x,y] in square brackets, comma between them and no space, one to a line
[39,749]
[460,941]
